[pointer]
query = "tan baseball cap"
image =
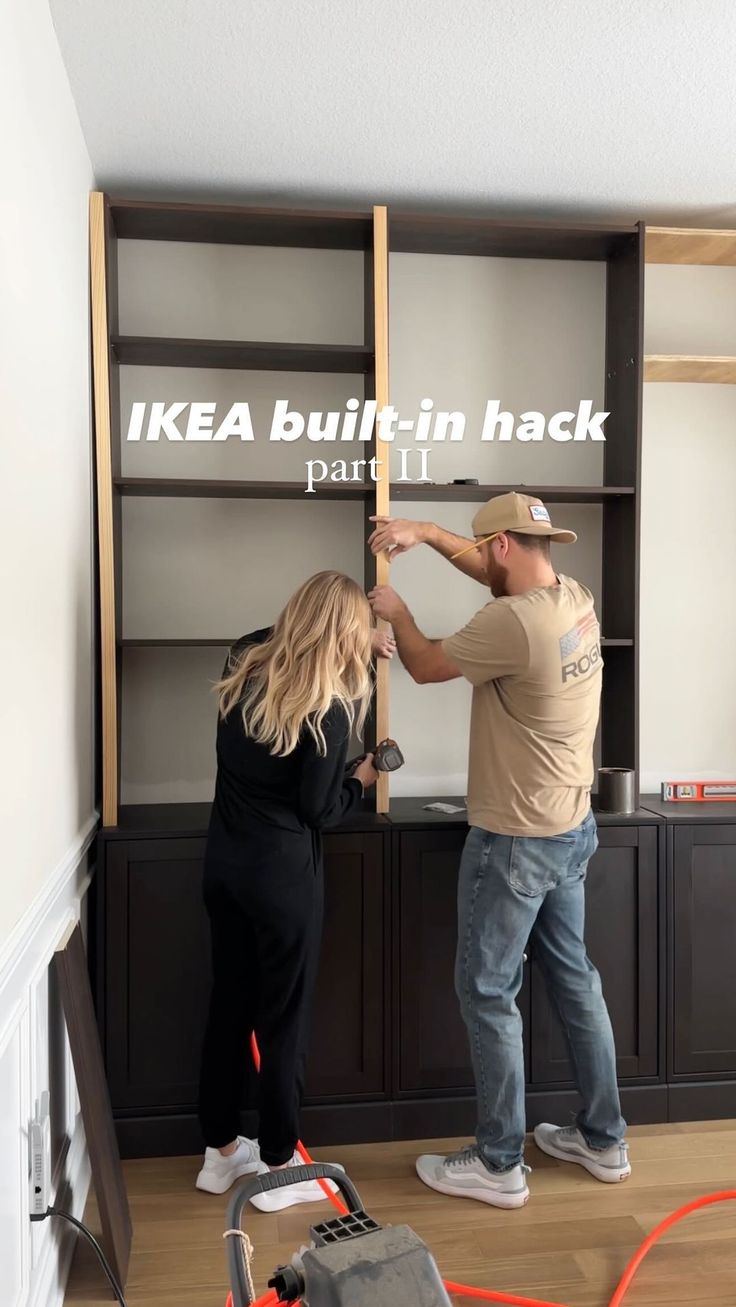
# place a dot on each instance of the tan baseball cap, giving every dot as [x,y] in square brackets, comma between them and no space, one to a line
[514,512]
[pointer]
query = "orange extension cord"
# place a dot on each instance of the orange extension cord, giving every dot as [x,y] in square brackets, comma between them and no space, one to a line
[270,1299]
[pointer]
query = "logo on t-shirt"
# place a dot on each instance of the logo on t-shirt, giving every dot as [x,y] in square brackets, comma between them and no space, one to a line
[586,627]
[539,513]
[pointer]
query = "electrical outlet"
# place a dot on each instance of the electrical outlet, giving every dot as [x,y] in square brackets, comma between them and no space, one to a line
[40,1145]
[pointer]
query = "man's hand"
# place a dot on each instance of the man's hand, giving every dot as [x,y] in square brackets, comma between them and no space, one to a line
[386,603]
[396,534]
[383,644]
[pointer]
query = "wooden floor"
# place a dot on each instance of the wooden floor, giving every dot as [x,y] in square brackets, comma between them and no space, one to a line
[570,1244]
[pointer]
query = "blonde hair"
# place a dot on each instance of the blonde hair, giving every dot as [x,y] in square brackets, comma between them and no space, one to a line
[318,653]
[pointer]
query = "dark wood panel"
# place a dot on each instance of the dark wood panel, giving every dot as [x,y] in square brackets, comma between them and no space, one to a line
[624,360]
[190,488]
[702,969]
[411,814]
[618,725]
[231,224]
[691,814]
[145,820]
[620,567]
[431,1042]
[428,233]
[144,1135]
[158,351]
[158,971]
[418,493]
[165,642]
[622,905]
[347,1042]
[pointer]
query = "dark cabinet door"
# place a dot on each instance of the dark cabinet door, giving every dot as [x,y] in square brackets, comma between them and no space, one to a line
[347,1043]
[622,940]
[157,971]
[703,950]
[431,1042]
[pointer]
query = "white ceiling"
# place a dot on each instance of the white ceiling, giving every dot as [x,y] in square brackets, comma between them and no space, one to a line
[621,108]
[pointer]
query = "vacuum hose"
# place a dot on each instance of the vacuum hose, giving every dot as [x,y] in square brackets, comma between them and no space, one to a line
[270,1299]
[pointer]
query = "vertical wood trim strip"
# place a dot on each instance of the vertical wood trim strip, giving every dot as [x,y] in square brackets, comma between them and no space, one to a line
[380,309]
[105,536]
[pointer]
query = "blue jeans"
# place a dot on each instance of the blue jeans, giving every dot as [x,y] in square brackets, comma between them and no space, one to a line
[512,889]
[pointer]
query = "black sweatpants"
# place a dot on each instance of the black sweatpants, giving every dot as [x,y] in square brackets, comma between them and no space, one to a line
[266,924]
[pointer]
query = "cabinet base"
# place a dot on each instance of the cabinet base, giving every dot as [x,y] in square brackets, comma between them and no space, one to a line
[428,1118]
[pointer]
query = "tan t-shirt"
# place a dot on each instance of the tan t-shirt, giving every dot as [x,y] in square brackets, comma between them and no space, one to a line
[534,661]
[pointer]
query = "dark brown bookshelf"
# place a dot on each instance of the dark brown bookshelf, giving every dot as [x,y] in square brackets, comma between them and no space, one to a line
[427,233]
[213,642]
[416,492]
[167,642]
[619,246]
[266,356]
[191,488]
[231,224]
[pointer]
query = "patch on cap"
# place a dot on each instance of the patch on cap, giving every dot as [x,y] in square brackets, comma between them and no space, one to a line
[539,513]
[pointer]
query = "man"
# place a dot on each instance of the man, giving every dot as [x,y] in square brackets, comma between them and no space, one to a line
[533,658]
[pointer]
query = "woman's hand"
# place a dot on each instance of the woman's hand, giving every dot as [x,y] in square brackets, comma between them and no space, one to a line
[365,772]
[383,644]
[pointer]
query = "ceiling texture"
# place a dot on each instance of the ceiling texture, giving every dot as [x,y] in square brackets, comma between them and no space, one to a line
[601,109]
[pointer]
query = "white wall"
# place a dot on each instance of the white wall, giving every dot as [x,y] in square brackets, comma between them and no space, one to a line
[207,568]
[688,595]
[35,1058]
[46,696]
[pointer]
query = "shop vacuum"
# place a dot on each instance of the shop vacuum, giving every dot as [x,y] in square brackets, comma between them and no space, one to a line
[352,1261]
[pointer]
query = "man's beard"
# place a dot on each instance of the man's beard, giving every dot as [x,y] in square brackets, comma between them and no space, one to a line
[497,578]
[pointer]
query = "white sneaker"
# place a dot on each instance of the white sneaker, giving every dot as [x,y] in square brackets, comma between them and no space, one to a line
[219,1173]
[309,1191]
[568,1145]
[463,1175]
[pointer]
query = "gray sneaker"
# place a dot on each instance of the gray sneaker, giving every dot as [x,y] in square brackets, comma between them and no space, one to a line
[463,1175]
[568,1145]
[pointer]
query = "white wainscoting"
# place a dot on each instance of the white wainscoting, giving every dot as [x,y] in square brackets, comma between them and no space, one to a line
[35,1057]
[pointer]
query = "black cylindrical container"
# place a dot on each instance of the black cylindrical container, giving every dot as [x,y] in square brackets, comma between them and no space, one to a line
[616,789]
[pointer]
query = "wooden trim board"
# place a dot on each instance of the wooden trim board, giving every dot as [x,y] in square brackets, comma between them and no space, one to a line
[380,309]
[690,245]
[717,369]
[105,524]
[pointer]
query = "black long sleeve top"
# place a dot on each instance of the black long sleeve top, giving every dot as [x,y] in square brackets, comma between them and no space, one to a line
[269,807]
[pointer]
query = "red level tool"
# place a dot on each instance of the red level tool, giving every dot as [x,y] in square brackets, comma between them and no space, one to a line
[699,791]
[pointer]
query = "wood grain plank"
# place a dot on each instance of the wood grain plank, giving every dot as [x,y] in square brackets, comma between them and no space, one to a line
[716,369]
[105,525]
[690,245]
[570,1244]
[380,308]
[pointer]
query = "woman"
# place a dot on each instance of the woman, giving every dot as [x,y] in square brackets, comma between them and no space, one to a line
[289,700]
